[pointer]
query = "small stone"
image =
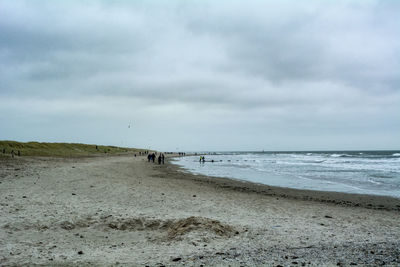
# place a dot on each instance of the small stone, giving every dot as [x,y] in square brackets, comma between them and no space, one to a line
[176,259]
[327,216]
[73,194]
[194,195]
[80,252]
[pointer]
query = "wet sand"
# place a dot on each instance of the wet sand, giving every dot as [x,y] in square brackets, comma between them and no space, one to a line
[124,210]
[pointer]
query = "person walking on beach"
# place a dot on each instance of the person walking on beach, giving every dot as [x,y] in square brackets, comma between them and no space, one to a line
[162,158]
[159,159]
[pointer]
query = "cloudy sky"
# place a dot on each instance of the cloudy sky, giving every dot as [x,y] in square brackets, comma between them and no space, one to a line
[202,75]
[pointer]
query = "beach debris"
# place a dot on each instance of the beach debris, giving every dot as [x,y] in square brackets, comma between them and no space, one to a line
[80,252]
[67,225]
[327,216]
[176,259]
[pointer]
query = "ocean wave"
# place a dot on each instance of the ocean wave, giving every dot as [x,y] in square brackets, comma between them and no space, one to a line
[341,156]
[374,182]
[337,155]
[396,155]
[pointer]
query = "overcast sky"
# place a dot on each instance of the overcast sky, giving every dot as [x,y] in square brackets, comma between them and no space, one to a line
[202,75]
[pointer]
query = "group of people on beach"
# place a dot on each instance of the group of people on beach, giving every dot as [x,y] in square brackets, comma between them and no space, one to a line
[203,159]
[152,157]
[13,153]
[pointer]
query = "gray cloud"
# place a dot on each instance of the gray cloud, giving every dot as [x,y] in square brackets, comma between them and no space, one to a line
[263,71]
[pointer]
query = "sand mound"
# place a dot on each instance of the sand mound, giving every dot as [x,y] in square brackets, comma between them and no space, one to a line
[174,228]
[136,224]
[171,229]
[184,226]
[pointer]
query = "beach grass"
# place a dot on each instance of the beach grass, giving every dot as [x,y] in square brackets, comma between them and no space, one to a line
[60,149]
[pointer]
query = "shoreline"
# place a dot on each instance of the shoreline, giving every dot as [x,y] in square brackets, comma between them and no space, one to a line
[340,198]
[123,210]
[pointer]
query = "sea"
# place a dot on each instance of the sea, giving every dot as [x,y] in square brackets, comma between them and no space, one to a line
[357,172]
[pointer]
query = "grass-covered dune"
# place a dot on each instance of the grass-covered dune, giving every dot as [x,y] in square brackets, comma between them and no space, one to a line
[60,149]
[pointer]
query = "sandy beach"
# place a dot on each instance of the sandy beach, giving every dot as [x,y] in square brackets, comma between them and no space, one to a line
[123,210]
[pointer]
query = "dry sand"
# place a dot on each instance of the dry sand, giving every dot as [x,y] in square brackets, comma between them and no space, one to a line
[124,210]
